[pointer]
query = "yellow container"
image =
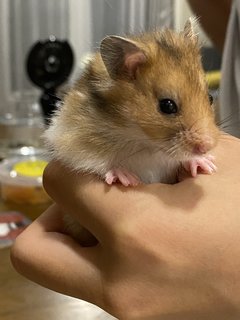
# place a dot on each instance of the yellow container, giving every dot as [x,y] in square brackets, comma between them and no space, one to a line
[21,180]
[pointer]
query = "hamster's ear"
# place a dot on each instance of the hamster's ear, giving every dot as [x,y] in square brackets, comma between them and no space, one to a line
[122,57]
[189,27]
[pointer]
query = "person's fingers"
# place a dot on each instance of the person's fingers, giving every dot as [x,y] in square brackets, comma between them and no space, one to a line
[103,209]
[65,187]
[97,206]
[55,261]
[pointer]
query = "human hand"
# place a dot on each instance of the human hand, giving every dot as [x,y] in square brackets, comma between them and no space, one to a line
[166,252]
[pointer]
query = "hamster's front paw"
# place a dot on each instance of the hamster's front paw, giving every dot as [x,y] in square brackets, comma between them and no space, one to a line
[121,175]
[203,163]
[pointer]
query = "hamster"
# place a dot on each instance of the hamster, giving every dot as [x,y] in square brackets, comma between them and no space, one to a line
[139,112]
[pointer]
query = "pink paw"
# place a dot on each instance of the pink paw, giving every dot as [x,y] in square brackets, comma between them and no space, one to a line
[123,176]
[204,163]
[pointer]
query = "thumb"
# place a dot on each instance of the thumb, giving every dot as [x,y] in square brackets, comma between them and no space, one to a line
[54,260]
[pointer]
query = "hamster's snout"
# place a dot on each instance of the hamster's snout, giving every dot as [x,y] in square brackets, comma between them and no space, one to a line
[203,144]
[198,143]
[202,147]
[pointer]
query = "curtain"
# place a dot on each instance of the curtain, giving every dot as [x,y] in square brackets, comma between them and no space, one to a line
[22,23]
[83,22]
[91,20]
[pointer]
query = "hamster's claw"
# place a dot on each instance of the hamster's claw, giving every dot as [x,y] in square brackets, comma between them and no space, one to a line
[204,163]
[126,178]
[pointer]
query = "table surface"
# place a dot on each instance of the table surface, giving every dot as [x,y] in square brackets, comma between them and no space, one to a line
[21,299]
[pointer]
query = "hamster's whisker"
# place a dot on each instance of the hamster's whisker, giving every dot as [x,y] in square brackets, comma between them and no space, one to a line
[167,150]
[125,145]
[179,120]
[160,148]
[227,118]
[163,148]
[196,121]
[198,130]
[228,122]
[223,133]
[225,136]
[133,154]
[227,128]
[172,150]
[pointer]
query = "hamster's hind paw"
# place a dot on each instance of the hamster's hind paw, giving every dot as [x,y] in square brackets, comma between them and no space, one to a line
[126,178]
[203,164]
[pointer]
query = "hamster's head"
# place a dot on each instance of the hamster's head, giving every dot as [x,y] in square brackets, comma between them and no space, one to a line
[159,85]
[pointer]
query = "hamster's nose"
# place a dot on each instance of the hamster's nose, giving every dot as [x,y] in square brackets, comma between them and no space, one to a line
[199,148]
[202,147]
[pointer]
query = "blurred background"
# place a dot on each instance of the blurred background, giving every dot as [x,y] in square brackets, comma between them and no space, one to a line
[82,23]
[43,46]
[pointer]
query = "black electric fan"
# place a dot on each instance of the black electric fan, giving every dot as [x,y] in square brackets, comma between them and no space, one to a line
[49,64]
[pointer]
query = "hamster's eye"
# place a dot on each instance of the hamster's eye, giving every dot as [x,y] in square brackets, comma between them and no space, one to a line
[210,97]
[167,106]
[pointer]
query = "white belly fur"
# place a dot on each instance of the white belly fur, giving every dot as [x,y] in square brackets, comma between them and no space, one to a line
[152,168]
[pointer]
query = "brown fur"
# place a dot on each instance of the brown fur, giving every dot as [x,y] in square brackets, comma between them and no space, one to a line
[111,119]
[99,106]
[173,70]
